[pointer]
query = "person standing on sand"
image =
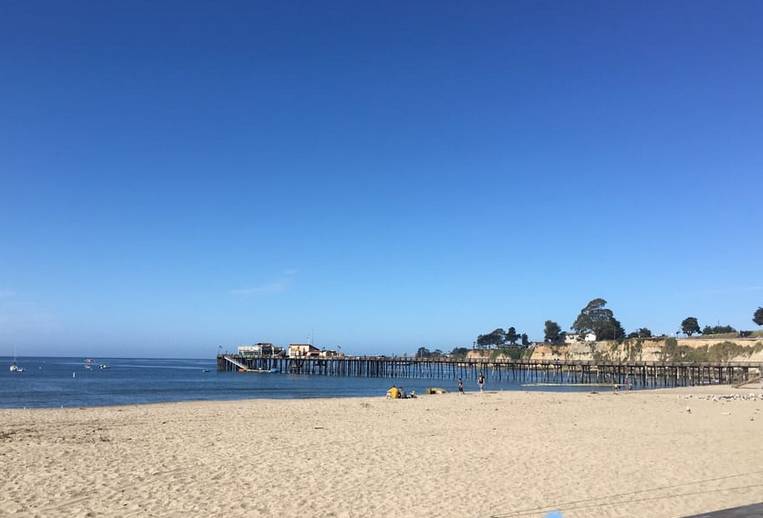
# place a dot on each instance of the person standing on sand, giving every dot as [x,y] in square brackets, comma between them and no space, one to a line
[460,386]
[481,382]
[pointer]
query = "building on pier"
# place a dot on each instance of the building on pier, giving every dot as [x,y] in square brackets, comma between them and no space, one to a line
[260,349]
[303,351]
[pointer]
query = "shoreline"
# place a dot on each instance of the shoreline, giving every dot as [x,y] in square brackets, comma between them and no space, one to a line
[587,388]
[499,453]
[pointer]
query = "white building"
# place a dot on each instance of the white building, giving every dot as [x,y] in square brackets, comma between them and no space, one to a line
[259,349]
[303,351]
[572,338]
[330,353]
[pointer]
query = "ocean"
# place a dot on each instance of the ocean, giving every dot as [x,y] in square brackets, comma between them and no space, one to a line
[65,382]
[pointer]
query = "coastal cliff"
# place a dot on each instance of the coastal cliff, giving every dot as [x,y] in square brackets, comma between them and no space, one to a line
[655,349]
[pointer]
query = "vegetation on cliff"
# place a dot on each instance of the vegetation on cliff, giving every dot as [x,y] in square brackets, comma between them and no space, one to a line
[720,352]
[595,318]
[757,317]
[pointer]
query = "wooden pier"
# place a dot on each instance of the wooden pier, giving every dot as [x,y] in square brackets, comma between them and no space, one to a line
[635,374]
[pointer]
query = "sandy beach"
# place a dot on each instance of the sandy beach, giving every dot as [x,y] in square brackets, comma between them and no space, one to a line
[508,454]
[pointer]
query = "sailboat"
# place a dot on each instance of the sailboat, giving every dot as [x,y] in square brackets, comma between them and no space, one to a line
[14,365]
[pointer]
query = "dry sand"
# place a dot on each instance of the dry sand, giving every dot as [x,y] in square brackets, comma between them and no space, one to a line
[504,454]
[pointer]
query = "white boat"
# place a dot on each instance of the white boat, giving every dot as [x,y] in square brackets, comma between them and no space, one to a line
[14,365]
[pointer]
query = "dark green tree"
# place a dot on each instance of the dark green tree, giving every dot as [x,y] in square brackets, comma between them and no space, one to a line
[459,352]
[596,319]
[717,330]
[498,337]
[590,315]
[610,330]
[641,333]
[525,339]
[552,333]
[512,336]
[423,352]
[495,338]
[758,317]
[689,326]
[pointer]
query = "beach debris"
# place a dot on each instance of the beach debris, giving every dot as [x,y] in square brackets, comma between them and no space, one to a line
[731,397]
[688,410]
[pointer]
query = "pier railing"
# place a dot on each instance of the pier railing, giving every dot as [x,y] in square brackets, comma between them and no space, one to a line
[637,374]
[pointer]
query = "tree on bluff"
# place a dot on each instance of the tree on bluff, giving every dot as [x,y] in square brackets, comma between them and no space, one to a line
[459,352]
[596,319]
[689,326]
[758,317]
[512,336]
[643,332]
[552,333]
[717,330]
[423,352]
[494,338]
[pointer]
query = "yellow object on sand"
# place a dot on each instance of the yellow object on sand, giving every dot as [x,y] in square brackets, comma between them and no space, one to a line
[393,393]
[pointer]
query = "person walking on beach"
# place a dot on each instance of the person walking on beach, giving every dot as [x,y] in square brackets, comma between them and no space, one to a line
[460,386]
[481,382]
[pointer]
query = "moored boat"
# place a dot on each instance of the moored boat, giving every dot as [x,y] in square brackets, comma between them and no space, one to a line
[14,366]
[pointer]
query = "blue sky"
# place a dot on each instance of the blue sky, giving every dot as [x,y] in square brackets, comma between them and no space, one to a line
[176,176]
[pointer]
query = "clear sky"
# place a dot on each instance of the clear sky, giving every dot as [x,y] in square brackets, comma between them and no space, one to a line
[176,176]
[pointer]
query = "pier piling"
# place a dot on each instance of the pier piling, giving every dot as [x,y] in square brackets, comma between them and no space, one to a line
[623,374]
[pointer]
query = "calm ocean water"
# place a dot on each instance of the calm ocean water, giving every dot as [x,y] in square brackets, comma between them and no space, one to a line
[56,382]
